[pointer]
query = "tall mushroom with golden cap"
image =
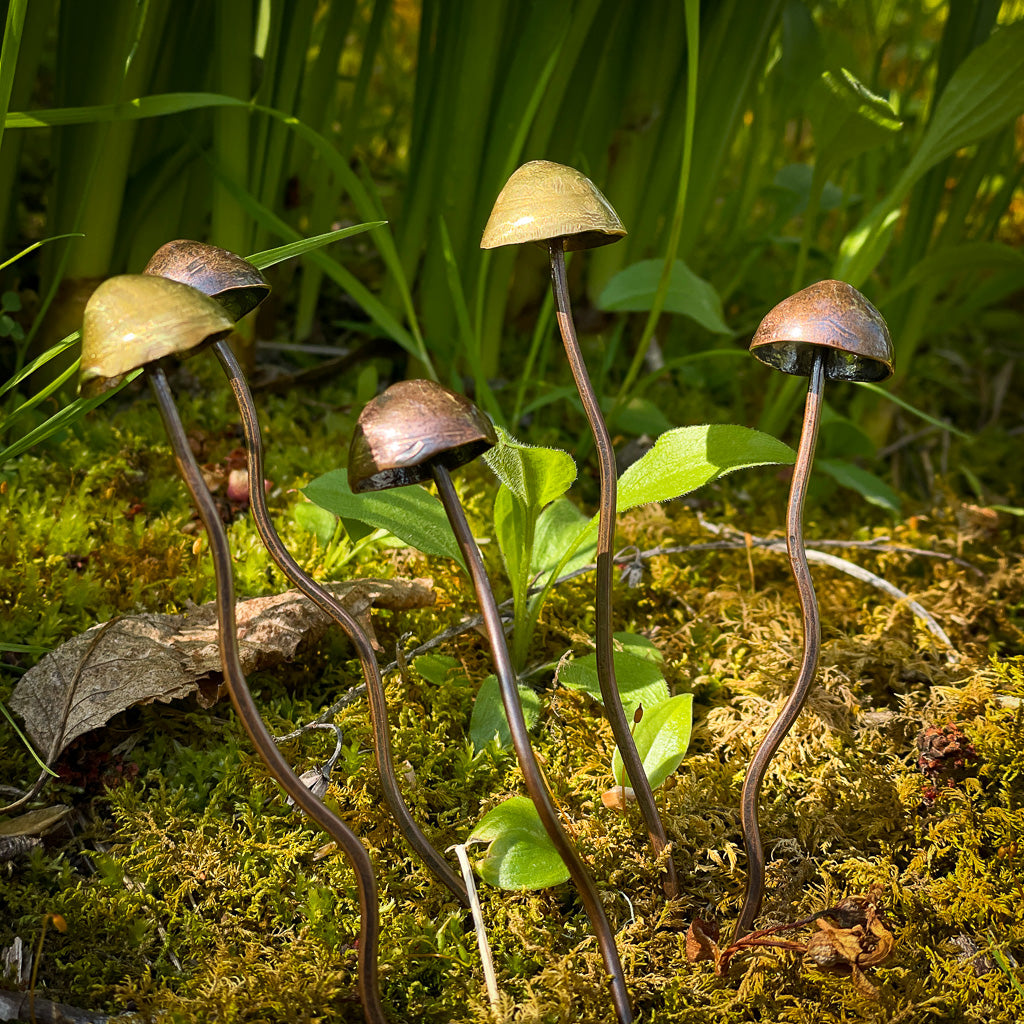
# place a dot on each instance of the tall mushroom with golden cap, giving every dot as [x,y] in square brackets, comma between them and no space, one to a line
[416,431]
[240,287]
[825,331]
[136,321]
[561,209]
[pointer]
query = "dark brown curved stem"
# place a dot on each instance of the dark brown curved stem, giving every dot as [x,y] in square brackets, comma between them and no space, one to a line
[369,929]
[808,666]
[535,782]
[605,542]
[367,659]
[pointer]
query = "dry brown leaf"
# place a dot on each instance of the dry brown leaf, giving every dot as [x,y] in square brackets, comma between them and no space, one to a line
[143,658]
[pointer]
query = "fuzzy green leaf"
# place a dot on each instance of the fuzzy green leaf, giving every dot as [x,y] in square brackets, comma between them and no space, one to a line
[535,476]
[410,513]
[689,457]
[521,856]
[489,720]
[662,738]
[558,526]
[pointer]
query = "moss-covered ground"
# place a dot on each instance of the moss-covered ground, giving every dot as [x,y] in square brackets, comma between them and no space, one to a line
[192,892]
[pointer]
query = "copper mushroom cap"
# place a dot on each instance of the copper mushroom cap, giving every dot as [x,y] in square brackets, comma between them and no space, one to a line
[411,426]
[235,283]
[133,319]
[543,201]
[829,317]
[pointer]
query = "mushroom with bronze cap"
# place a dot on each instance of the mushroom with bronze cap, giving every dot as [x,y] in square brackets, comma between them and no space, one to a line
[418,430]
[135,321]
[561,209]
[240,287]
[827,330]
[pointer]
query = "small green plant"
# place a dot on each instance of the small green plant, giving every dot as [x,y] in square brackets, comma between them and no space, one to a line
[541,534]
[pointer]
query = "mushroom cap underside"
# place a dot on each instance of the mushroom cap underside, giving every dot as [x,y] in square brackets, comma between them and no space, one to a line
[830,318]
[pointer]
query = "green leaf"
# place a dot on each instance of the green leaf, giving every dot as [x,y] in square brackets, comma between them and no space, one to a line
[535,476]
[866,484]
[316,520]
[489,720]
[410,513]
[633,290]
[435,668]
[269,257]
[850,119]
[662,738]
[520,855]
[510,533]
[558,526]
[689,457]
[638,674]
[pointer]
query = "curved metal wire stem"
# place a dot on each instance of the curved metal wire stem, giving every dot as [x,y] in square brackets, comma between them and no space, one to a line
[535,782]
[758,766]
[369,929]
[603,597]
[371,670]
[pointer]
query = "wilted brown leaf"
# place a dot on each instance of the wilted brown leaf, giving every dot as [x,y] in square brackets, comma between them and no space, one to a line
[143,658]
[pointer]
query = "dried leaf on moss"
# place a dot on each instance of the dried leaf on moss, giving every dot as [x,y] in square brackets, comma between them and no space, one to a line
[143,658]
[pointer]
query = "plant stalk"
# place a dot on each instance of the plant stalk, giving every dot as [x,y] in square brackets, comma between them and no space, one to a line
[369,927]
[605,544]
[535,782]
[808,666]
[367,659]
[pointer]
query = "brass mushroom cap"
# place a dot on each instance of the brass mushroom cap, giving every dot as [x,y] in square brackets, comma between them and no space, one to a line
[543,201]
[134,319]
[235,283]
[411,426]
[829,317]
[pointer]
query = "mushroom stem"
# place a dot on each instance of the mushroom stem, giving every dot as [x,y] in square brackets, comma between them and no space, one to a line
[605,543]
[369,930]
[535,782]
[367,659]
[809,664]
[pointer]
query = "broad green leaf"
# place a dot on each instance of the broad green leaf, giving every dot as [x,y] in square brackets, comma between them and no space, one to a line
[662,738]
[797,178]
[866,484]
[638,674]
[985,92]
[638,416]
[520,855]
[558,526]
[534,475]
[509,532]
[317,521]
[489,720]
[689,457]
[435,668]
[410,513]
[633,290]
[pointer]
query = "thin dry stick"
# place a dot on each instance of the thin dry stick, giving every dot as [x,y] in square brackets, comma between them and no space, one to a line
[739,541]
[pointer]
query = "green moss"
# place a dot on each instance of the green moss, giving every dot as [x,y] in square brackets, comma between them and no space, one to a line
[193,893]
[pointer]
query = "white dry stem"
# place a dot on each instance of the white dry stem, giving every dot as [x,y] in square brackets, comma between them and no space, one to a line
[481,932]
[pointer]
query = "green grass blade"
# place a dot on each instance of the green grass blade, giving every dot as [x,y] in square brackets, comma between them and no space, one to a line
[62,419]
[904,404]
[28,746]
[41,360]
[269,257]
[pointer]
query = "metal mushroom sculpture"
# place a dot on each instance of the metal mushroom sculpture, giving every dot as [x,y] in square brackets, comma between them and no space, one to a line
[415,431]
[240,287]
[826,331]
[136,321]
[562,210]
